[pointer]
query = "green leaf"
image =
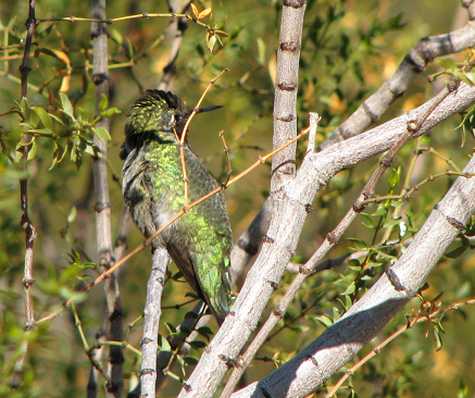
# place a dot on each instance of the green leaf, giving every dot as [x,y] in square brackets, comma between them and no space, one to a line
[67,106]
[72,215]
[103,103]
[111,112]
[394,177]
[261,51]
[43,116]
[33,150]
[165,344]
[326,321]
[350,289]
[102,133]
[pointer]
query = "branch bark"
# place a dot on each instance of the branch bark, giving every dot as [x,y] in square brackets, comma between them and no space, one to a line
[100,77]
[329,242]
[26,224]
[25,221]
[174,34]
[284,231]
[285,128]
[413,64]
[400,282]
[152,313]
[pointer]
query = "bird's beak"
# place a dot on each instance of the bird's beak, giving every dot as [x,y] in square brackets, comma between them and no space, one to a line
[209,108]
[204,109]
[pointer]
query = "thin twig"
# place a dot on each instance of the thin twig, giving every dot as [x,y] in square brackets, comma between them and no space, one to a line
[409,192]
[184,133]
[143,15]
[85,344]
[227,154]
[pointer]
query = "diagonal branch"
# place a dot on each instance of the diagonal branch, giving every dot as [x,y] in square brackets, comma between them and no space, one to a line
[332,238]
[413,64]
[365,319]
[285,229]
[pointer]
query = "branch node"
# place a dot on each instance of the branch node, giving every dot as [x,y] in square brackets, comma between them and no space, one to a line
[28,282]
[146,340]
[288,118]
[273,284]
[458,225]
[267,239]
[412,126]
[230,362]
[294,3]
[394,279]
[287,86]
[290,46]
[147,371]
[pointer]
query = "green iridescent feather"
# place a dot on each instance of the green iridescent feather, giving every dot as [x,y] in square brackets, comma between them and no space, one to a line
[153,189]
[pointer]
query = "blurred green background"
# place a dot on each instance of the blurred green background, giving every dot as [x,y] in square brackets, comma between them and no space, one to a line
[349,49]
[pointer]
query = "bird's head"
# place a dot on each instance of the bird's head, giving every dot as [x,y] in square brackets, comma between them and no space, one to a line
[159,110]
[156,110]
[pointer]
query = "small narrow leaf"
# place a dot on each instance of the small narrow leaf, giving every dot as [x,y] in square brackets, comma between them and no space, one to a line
[195,11]
[67,106]
[204,13]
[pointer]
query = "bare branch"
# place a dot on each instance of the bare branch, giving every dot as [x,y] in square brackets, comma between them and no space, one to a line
[413,64]
[285,98]
[330,241]
[100,77]
[368,113]
[284,232]
[25,221]
[26,224]
[152,312]
[400,282]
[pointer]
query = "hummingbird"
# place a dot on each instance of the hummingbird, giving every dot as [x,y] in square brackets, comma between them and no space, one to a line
[153,188]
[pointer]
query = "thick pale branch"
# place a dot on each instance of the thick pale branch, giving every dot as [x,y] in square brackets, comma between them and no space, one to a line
[400,282]
[368,113]
[414,63]
[332,238]
[284,232]
[285,98]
